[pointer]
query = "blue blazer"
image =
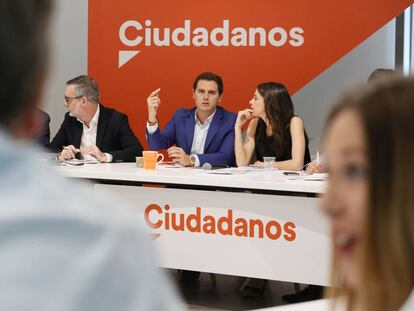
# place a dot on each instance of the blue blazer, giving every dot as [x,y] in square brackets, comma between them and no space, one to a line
[219,146]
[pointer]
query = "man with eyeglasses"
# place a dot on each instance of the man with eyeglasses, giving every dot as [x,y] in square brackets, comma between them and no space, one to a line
[90,129]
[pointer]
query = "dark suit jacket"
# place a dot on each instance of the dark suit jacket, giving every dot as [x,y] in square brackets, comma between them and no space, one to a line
[114,135]
[219,146]
[42,136]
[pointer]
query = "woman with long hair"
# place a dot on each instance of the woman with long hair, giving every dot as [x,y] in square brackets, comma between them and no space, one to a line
[274,130]
[370,196]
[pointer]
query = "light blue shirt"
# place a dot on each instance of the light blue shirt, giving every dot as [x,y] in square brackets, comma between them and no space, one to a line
[63,249]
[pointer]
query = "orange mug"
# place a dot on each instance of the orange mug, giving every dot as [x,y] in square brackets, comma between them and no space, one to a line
[151,159]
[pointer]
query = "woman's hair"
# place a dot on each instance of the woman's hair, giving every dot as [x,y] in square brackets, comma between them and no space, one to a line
[279,111]
[386,254]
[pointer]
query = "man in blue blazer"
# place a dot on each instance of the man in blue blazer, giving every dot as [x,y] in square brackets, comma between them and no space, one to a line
[203,134]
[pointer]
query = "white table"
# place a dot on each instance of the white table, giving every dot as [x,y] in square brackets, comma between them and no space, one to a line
[317,305]
[257,180]
[257,224]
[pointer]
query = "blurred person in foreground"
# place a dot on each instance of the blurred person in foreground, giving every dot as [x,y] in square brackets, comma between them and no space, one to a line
[60,249]
[370,199]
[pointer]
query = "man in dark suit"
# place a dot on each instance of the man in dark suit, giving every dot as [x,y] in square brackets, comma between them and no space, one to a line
[92,129]
[203,134]
[42,136]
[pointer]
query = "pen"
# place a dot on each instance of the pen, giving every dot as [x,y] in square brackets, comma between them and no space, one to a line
[67,147]
[77,152]
[317,156]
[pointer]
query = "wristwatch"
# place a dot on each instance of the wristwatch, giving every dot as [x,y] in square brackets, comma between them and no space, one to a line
[193,160]
[152,123]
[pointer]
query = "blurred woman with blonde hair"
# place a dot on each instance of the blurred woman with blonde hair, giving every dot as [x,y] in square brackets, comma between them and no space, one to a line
[370,196]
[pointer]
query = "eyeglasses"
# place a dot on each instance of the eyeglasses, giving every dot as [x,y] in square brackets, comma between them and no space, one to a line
[68,99]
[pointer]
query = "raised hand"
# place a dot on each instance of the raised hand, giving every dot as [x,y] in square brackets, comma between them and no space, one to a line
[243,116]
[153,102]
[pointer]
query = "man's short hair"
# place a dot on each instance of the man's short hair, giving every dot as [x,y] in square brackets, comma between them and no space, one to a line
[86,86]
[381,73]
[23,54]
[209,76]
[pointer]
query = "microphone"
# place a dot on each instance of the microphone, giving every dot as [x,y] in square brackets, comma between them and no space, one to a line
[206,166]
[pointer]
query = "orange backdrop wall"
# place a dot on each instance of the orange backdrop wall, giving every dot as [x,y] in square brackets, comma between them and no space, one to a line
[245,42]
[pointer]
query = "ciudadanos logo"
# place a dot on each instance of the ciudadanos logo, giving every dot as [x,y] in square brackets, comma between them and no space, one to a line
[135,36]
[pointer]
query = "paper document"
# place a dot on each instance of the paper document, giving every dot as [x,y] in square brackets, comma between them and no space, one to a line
[77,162]
[306,177]
[233,170]
[169,164]
[317,177]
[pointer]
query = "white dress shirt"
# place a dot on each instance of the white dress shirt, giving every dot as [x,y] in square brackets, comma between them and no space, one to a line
[199,138]
[65,249]
[89,134]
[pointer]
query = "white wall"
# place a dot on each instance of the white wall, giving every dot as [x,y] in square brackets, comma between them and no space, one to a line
[69,54]
[312,103]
